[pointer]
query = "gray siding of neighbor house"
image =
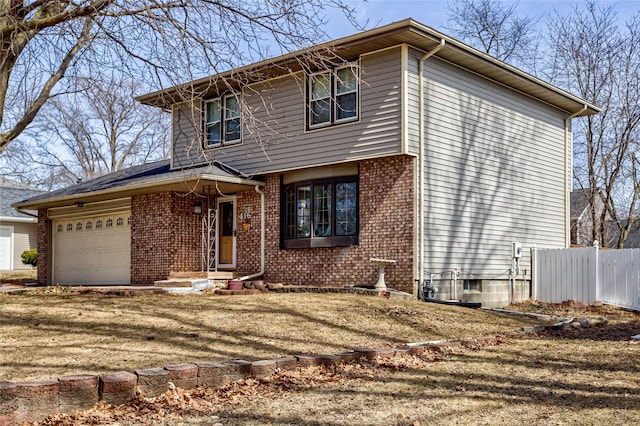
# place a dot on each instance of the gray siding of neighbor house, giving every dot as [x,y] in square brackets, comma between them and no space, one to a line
[274,135]
[494,173]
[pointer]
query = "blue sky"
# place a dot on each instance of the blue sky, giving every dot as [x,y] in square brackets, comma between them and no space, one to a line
[435,12]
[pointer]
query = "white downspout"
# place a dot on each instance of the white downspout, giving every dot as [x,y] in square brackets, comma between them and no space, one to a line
[568,177]
[420,230]
[262,235]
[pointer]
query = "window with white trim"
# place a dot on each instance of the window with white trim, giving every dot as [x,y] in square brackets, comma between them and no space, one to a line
[223,121]
[333,96]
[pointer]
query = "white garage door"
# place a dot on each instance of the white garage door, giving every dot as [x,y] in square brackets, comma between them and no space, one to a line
[6,248]
[93,249]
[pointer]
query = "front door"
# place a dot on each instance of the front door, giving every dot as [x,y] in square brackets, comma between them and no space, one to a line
[226,232]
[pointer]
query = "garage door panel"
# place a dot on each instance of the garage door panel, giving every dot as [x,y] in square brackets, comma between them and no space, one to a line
[87,251]
[6,247]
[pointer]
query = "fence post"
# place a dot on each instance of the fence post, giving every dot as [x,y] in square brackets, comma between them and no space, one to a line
[534,273]
[597,279]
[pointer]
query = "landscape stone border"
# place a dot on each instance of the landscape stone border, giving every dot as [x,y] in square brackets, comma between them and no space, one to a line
[33,401]
[560,323]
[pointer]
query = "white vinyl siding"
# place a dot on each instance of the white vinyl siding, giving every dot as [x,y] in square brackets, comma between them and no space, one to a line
[413,101]
[275,136]
[494,173]
[25,237]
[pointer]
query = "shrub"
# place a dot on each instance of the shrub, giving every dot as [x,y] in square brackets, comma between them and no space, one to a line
[30,257]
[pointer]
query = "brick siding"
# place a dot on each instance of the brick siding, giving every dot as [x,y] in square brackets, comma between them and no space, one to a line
[386,215]
[43,247]
[186,251]
[248,241]
[165,236]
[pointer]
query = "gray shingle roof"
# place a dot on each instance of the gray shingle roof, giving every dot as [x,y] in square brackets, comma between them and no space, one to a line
[12,192]
[579,201]
[149,174]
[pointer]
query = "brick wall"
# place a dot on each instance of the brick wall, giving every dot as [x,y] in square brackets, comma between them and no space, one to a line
[386,231]
[151,233]
[186,251]
[165,236]
[43,247]
[248,241]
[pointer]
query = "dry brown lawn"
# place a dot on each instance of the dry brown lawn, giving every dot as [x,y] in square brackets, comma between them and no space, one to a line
[17,277]
[585,377]
[45,335]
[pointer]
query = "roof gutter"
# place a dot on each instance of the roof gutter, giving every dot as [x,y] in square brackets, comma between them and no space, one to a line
[20,219]
[568,164]
[421,161]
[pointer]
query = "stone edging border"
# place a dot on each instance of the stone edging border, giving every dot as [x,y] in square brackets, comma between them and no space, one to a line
[34,400]
[560,324]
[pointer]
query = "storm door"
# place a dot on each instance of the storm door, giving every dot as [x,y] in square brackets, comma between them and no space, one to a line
[226,232]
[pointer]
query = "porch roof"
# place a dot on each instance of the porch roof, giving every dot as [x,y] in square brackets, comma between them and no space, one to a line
[145,179]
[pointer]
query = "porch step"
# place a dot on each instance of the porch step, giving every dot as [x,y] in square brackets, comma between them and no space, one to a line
[173,283]
[188,275]
[183,285]
[187,282]
[226,275]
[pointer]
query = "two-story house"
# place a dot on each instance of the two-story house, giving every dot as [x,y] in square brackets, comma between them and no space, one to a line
[398,143]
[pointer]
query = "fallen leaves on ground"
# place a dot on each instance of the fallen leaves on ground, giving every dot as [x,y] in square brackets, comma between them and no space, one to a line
[210,403]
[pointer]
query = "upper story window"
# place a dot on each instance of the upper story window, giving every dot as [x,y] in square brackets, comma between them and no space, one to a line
[223,122]
[322,213]
[333,96]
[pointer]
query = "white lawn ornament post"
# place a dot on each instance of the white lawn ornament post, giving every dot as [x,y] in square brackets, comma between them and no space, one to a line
[382,264]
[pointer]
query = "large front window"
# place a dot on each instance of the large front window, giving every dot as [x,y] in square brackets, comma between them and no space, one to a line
[333,96]
[321,213]
[223,124]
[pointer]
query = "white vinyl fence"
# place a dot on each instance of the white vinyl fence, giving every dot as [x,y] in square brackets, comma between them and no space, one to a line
[587,275]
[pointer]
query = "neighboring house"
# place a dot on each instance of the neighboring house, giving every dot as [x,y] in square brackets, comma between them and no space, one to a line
[582,220]
[18,231]
[613,234]
[411,146]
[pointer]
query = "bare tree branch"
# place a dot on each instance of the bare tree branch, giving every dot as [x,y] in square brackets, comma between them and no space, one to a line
[161,42]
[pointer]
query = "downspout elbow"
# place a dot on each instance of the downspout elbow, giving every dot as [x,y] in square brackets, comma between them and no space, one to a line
[433,51]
